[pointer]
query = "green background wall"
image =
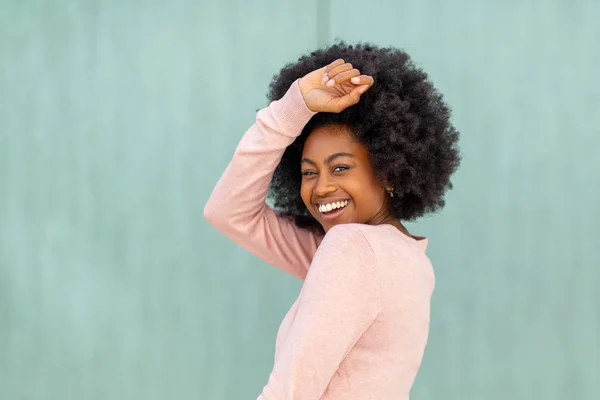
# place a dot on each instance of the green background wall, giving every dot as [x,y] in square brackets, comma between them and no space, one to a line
[118,117]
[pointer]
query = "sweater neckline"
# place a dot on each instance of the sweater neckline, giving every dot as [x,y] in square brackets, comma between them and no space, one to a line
[421,241]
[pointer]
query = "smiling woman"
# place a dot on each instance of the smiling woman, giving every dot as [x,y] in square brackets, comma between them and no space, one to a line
[342,172]
[401,122]
[355,139]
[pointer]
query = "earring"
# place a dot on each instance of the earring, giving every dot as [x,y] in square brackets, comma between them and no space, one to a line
[391,192]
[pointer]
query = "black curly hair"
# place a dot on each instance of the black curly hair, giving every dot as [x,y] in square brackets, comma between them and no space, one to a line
[402,120]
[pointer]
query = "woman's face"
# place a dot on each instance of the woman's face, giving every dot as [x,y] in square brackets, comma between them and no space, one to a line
[336,171]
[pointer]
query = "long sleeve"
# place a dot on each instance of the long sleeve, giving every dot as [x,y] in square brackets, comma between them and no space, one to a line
[237,206]
[339,301]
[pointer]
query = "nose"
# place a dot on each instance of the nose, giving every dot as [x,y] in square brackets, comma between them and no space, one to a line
[323,186]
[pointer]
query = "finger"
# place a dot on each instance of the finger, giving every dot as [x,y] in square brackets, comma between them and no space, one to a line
[339,69]
[362,89]
[330,66]
[336,71]
[335,68]
[363,80]
[343,77]
[351,98]
[336,63]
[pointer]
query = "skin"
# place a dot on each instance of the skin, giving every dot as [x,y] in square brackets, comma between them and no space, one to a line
[335,166]
[326,176]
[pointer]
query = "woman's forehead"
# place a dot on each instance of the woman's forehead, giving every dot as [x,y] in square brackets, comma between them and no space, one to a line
[331,139]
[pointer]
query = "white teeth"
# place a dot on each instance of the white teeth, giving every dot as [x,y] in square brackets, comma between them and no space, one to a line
[333,206]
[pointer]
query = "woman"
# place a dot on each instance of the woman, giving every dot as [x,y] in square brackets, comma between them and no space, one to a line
[354,141]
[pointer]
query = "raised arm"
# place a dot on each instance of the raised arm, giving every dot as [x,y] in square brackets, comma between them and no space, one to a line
[237,206]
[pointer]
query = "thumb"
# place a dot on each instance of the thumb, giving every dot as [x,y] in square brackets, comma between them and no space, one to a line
[351,98]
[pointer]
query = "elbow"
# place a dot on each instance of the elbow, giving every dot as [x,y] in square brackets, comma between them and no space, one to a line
[207,214]
[210,212]
[228,221]
[218,216]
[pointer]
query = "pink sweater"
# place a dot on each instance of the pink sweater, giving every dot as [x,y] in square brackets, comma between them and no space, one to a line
[359,327]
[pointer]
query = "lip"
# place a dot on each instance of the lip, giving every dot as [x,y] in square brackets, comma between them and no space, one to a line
[335,214]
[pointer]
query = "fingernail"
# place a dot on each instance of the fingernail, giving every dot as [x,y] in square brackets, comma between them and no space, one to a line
[363,89]
[325,78]
[331,83]
[356,79]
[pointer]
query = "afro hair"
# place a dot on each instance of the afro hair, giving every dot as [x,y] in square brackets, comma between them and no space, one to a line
[402,120]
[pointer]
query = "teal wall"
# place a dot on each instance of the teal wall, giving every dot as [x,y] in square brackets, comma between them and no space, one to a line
[117,118]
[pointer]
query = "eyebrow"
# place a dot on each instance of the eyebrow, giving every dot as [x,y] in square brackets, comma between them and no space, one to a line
[328,159]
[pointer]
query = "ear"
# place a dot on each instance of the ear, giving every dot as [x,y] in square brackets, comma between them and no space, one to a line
[385,184]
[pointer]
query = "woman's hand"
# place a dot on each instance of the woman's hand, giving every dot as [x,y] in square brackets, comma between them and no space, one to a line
[334,87]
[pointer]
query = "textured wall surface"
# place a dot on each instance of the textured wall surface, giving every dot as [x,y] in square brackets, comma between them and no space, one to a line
[117,118]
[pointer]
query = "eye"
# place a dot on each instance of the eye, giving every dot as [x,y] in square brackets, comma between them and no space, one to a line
[337,168]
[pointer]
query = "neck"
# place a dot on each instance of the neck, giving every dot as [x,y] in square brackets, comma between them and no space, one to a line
[398,225]
[391,221]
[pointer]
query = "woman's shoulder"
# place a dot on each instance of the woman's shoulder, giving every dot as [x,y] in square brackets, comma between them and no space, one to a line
[379,239]
[350,235]
[345,255]
[346,243]
[350,248]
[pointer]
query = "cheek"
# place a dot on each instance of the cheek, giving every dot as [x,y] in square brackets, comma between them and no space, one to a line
[368,197]
[305,192]
[362,187]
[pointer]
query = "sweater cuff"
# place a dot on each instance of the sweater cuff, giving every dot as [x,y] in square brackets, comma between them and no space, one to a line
[290,112]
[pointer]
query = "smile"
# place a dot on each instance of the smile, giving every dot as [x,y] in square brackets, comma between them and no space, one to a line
[332,210]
